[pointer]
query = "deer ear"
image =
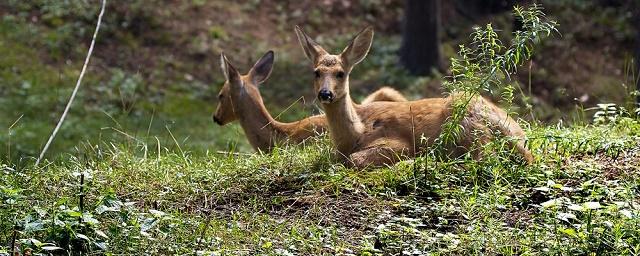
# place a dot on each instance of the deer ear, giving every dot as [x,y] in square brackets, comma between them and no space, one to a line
[223,66]
[358,48]
[311,49]
[230,73]
[262,69]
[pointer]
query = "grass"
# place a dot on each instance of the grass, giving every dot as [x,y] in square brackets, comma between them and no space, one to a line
[579,198]
[110,103]
[165,188]
[146,69]
[41,61]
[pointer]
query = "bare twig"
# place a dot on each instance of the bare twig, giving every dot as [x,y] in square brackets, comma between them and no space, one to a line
[14,237]
[285,110]
[9,137]
[204,229]
[81,195]
[232,153]
[75,90]
[174,140]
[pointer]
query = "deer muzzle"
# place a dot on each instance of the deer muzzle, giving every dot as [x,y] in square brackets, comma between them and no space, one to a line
[325,96]
[216,120]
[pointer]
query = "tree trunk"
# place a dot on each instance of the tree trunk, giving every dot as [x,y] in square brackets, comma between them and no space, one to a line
[420,50]
[637,73]
[636,21]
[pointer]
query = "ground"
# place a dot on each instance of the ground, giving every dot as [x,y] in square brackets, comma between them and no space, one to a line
[580,197]
[140,168]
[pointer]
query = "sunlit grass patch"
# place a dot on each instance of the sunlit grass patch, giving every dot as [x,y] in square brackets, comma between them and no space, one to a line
[579,197]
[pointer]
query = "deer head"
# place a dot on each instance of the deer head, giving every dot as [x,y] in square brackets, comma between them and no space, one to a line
[331,82]
[241,91]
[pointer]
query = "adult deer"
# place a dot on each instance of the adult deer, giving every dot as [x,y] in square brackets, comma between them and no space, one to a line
[381,133]
[239,99]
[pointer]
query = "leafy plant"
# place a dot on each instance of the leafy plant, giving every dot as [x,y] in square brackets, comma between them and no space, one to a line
[610,113]
[484,66]
[607,113]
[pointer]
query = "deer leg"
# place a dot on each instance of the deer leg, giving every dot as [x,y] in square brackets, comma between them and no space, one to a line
[378,155]
[482,129]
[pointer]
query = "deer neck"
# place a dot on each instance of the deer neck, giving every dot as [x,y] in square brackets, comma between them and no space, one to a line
[344,123]
[261,129]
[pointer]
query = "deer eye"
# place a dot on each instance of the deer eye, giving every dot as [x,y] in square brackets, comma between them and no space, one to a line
[340,75]
[220,96]
[317,74]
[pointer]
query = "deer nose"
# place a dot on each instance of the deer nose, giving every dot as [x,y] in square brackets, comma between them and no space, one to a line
[325,95]
[216,120]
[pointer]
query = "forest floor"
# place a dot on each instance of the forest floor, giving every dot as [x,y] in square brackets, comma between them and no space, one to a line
[139,167]
[579,197]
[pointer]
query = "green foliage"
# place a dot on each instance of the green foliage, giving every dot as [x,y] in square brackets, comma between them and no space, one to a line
[298,201]
[114,104]
[611,113]
[485,65]
[155,183]
[569,203]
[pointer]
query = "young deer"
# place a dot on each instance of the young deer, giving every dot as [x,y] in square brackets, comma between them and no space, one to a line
[239,99]
[381,133]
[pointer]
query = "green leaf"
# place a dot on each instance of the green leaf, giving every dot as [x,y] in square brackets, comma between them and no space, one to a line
[81,236]
[59,223]
[103,208]
[72,213]
[569,231]
[592,205]
[41,212]
[36,242]
[102,234]
[148,224]
[157,213]
[543,189]
[88,218]
[575,207]
[551,203]
[626,213]
[51,248]
[33,226]
[101,245]
[565,216]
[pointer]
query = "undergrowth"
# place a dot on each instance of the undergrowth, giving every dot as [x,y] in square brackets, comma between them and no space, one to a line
[580,198]
[487,66]
[139,197]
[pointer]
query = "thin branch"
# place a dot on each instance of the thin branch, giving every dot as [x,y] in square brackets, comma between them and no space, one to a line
[75,90]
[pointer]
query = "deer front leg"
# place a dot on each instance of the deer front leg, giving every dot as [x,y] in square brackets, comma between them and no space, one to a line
[379,154]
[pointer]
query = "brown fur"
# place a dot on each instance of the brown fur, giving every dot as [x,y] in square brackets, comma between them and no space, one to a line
[381,133]
[385,94]
[242,101]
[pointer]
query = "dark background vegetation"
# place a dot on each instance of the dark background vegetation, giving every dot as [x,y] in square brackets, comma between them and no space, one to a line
[155,73]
